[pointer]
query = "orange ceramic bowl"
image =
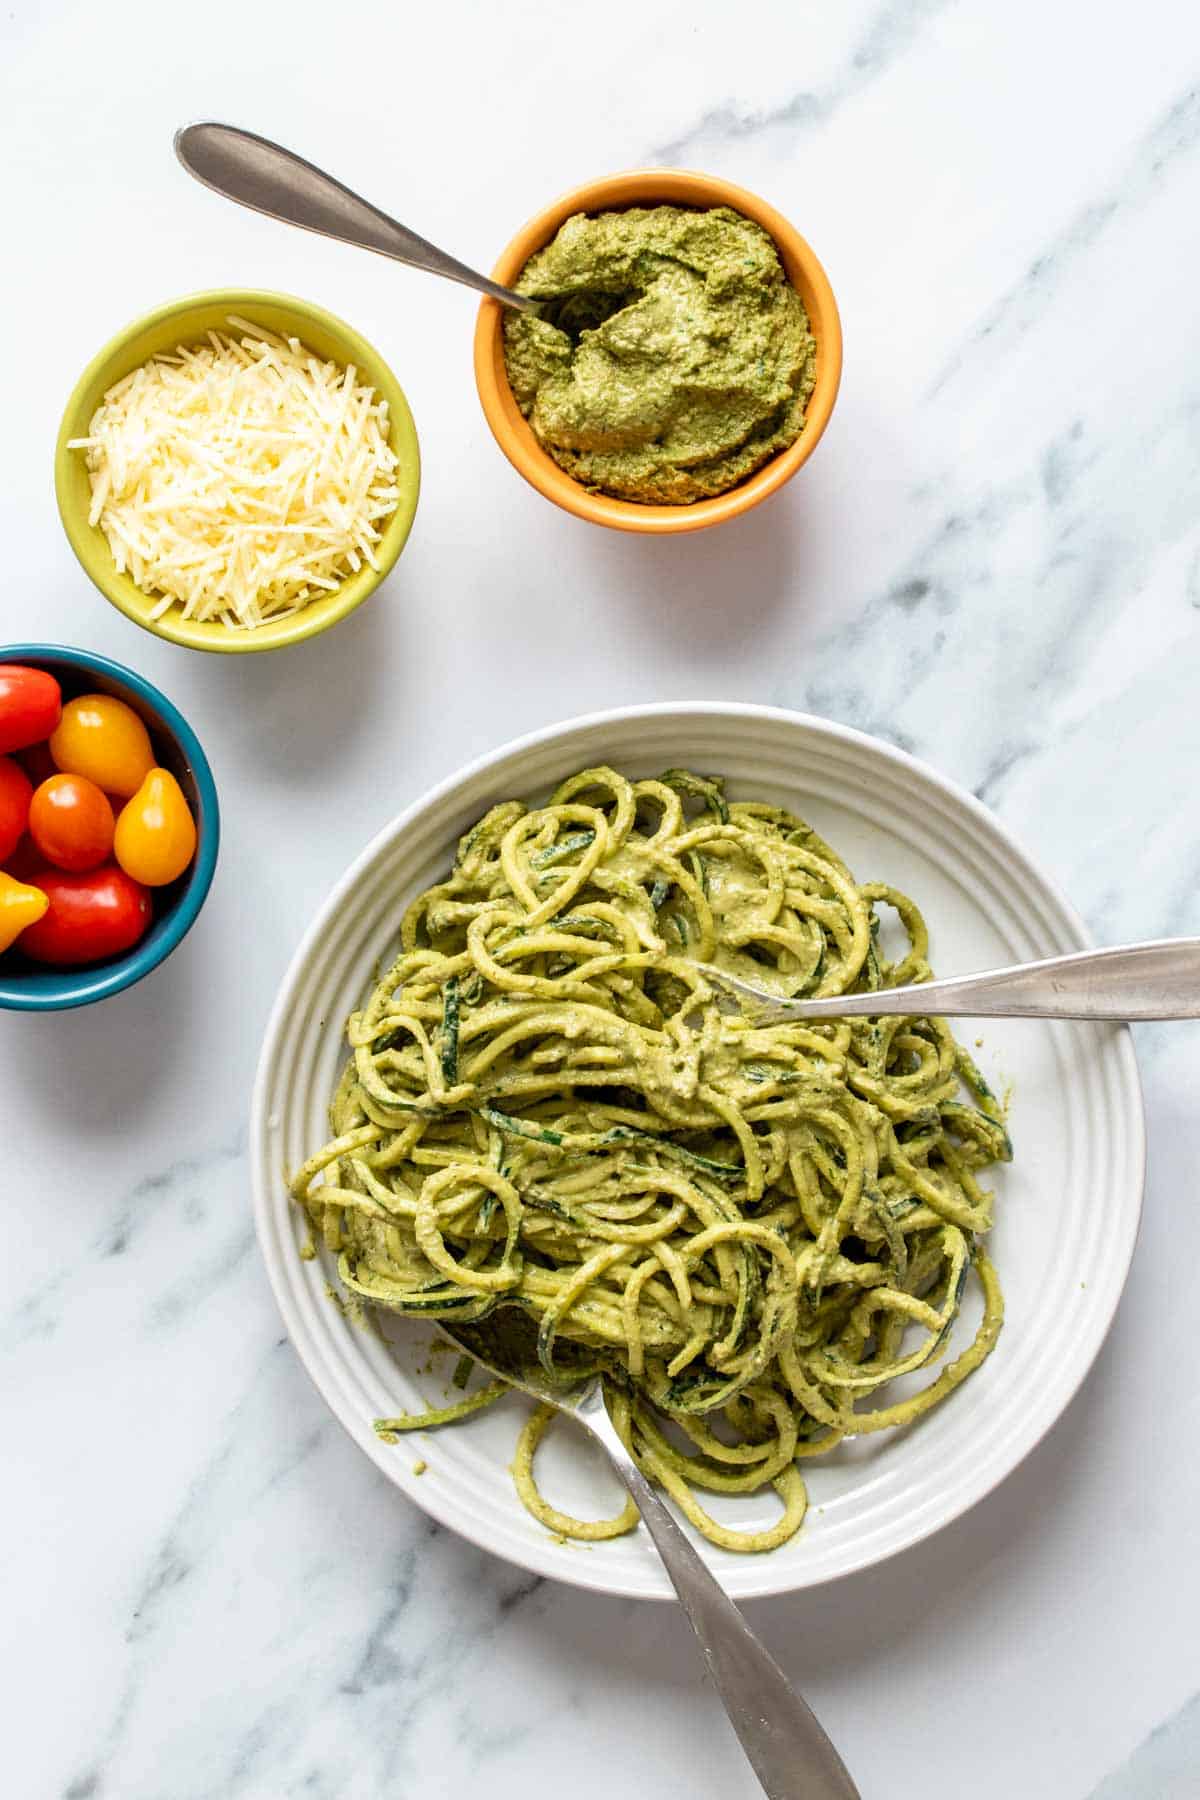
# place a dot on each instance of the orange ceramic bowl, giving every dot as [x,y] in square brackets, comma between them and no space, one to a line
[656,187]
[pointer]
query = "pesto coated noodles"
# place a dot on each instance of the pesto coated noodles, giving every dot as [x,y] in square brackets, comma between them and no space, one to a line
[753,1228]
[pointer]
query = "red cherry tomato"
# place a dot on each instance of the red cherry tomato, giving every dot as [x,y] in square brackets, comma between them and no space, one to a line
[90,916]
[15,795]
[37,763]
[71,822]
[30,706]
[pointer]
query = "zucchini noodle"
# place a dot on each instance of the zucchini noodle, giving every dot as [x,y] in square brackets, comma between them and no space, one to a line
[748,1228]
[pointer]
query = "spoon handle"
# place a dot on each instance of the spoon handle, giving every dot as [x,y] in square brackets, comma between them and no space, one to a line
[271,180]
[1158,980]
[787,1748]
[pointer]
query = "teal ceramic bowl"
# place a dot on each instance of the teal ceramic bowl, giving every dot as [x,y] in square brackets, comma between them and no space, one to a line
[32,987]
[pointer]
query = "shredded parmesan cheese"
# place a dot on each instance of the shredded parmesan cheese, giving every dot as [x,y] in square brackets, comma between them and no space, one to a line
[242,478]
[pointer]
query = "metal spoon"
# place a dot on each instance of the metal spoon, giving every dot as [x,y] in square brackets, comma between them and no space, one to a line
[269,179]
[1158,980]
[787,1748]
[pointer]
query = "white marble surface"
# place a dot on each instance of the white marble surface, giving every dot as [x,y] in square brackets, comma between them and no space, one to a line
[994,560]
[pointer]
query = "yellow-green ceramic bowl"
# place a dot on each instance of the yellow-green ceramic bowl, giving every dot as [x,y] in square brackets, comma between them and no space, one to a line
[185,322]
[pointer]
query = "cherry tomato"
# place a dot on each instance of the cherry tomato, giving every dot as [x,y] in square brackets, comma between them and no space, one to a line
[156,834]
[20,907]
[102,738]
[90,916]
[15,795]
[71,822]
[30,705]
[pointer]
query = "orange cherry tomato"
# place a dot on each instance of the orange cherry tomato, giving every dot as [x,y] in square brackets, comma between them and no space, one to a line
[15,795]
[90,916]
[156,834]
[71,822]
[102,738]
[20,907]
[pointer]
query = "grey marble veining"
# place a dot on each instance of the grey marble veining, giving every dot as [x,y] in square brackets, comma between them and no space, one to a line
[1159,158]
[883,34]
[1165,1766]
[993,561]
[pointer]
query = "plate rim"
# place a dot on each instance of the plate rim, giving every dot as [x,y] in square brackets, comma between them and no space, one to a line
[265,1183]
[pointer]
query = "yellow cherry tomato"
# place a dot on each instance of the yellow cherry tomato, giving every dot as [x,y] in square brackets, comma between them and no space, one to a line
[102,738]
[20,905]
[156,834]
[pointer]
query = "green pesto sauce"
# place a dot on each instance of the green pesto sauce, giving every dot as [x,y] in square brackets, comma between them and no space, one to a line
[672,358]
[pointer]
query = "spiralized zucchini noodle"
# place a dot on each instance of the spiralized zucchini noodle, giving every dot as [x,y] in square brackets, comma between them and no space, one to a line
[751,1227]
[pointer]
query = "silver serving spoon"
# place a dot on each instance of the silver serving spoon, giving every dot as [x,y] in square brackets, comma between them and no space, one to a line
[269,179]
[1158,980]
[787,1748]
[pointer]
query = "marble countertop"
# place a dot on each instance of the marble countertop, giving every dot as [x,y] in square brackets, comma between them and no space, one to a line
[993,560]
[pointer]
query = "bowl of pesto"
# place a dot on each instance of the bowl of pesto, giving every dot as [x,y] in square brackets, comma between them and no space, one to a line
[685,359]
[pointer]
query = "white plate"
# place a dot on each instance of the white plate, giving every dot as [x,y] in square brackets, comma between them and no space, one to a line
[1067,1209]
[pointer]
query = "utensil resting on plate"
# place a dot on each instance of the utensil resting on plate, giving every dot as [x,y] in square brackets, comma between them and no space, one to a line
[781,1735]
[1157,980]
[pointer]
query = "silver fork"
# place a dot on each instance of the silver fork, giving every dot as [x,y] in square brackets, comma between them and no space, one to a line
[1157,980]
[787,1748]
